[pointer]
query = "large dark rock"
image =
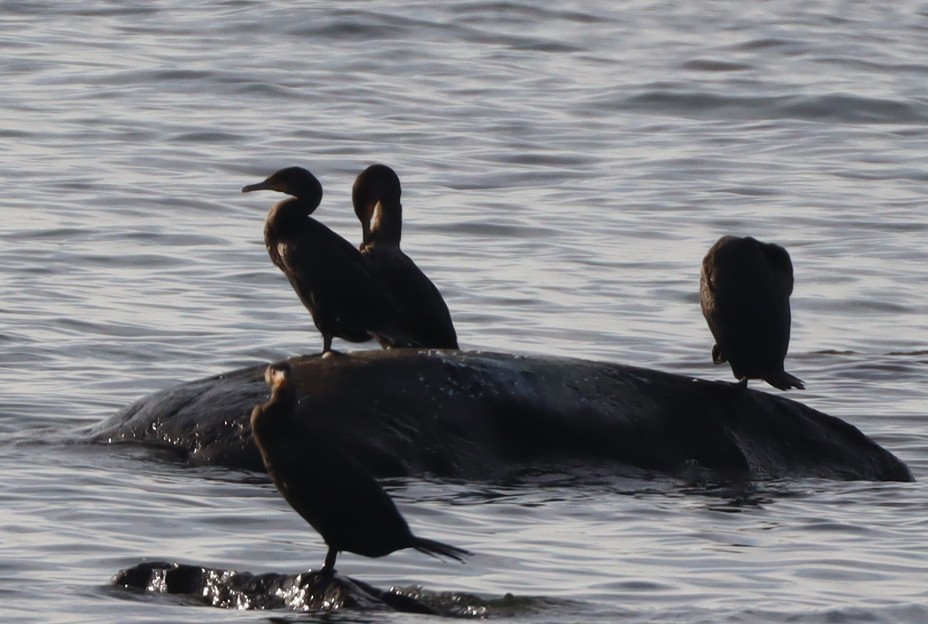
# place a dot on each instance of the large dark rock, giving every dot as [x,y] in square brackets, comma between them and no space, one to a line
[482,415]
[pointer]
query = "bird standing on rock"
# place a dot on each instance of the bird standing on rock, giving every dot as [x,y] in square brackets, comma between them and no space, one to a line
[423,313]
[328,487]
[744,290]
[329,275]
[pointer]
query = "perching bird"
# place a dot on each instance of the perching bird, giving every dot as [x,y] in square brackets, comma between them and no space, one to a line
[329,275]
[424,316]
[744,290]
[327,486]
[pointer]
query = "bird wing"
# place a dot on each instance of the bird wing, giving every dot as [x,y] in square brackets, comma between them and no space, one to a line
[425,315]
[323,262]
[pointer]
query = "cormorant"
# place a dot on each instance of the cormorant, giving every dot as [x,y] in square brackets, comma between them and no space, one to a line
[424,316]
[744,290]
[328,487]
[329,275]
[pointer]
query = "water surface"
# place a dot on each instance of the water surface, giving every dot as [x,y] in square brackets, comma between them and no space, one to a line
[564,168]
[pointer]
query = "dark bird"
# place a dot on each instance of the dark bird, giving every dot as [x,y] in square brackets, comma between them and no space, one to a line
[329,275]
[424,315]
[328,487]
[744,290]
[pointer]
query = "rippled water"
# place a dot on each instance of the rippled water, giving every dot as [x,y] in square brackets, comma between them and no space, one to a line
[564,169]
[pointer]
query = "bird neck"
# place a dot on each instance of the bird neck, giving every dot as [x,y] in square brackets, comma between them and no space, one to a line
[291,211]
[280,407]
[385,226]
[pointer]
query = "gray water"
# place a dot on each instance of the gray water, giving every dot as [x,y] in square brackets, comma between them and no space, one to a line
[564,168]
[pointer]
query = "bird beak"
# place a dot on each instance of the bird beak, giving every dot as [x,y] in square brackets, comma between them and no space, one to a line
[260,186]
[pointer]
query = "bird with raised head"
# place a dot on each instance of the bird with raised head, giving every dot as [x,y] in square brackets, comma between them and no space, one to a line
[329,275]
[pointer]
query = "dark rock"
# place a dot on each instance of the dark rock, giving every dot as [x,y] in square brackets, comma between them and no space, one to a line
[230,589]
[482,415]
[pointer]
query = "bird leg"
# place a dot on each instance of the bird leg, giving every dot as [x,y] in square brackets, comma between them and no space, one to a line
[329,566]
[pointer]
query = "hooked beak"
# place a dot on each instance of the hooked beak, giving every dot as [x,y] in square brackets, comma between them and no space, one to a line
[260,186]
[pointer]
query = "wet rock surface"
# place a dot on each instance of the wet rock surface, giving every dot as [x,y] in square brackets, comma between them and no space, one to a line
[311,591]
[479,415]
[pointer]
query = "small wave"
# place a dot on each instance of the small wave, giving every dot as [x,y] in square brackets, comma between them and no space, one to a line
[764,43]
[838,107]
[76,9]
[853,109]
[715,65]
[365,26]
[208,137]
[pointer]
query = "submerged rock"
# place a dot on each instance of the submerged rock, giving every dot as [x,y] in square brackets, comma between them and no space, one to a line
[309,591]
[482,415]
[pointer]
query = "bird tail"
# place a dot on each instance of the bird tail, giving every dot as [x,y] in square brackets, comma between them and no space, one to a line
[438,549]
[785,381]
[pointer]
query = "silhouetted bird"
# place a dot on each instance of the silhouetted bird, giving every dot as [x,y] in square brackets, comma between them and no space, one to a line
[744,290]
[424,315]
[329,275]
[328,487]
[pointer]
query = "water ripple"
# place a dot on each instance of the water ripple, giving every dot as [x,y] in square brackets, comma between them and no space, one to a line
[565,167]
[832,108]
